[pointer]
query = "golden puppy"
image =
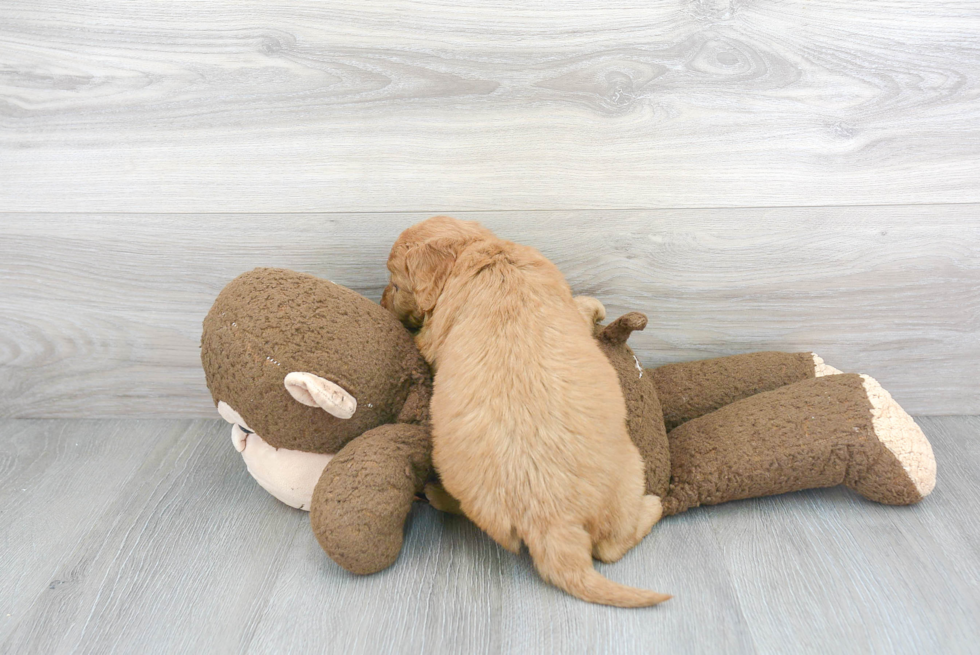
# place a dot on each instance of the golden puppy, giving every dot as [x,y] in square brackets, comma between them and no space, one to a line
[528,420]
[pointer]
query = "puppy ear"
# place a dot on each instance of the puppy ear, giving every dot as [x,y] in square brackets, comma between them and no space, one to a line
[428,266]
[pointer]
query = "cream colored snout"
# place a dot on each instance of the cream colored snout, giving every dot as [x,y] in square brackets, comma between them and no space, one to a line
[289,475]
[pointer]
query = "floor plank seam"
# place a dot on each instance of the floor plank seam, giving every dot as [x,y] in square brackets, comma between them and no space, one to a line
[333,212]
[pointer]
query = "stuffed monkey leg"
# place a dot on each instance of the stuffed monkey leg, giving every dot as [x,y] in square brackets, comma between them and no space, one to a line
[837,429]
[366,492]
[688,390]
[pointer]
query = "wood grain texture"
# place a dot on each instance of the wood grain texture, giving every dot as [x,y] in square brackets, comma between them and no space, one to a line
[100,314]
[925,558]
[38,463]
[143,106]
[167,545]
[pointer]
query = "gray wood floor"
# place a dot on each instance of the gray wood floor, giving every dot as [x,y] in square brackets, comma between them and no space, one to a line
[148,536]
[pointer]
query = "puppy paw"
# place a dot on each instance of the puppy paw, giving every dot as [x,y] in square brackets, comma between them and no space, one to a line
[440,499]
[591,309]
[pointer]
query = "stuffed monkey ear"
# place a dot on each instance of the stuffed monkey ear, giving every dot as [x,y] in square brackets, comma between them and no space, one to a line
[315,391]
[428,266]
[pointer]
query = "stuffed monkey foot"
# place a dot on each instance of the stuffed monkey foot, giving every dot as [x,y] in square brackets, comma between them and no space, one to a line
[820,432]
[897,432]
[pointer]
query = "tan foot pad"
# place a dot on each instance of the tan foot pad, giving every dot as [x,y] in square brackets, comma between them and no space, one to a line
[898,432]
[820,369]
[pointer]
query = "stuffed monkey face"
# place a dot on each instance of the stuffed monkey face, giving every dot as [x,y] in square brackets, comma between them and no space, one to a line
[289,475]
[299,364]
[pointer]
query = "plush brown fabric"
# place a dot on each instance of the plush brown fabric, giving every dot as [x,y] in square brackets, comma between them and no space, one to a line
[688,390]
[755,425]
[270,322]
[365,493]
[814,433]
[416,407]
[644,418]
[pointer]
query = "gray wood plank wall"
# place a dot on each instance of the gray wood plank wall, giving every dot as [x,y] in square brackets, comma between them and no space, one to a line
[102,312]
[788,175]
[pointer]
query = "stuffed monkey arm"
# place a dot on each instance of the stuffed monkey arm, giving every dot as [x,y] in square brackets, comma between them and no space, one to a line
[838,429]
[365,493]
[688,390]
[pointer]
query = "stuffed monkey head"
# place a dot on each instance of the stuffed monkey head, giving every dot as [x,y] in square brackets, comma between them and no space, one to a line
[301,366]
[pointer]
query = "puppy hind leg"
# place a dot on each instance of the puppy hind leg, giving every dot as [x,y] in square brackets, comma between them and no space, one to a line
[508,539]
[652,510]
[497,526]
[629,530]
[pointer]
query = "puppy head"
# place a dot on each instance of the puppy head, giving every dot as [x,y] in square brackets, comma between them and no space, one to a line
[421,261]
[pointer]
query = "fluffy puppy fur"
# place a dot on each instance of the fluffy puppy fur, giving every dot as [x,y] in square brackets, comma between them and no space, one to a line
[528,420]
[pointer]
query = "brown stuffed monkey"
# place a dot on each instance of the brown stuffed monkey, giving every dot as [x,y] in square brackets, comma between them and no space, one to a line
[328,400]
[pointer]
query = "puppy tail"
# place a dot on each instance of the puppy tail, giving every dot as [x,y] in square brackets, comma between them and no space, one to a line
[563,557]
